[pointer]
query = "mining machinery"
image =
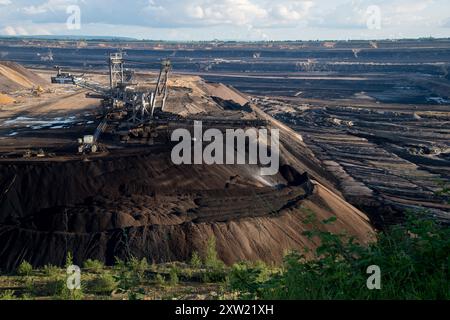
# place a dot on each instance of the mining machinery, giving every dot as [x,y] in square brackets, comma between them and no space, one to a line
[121,94]
[79,81]
[135,107]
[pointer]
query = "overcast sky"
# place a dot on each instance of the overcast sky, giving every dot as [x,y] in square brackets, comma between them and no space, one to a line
[228,19]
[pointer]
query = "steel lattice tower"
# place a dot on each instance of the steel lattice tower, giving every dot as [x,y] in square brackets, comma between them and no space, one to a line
[116,74]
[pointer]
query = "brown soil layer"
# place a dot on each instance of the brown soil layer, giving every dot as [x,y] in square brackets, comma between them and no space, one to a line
[144,206]
[5,99]
[13,77]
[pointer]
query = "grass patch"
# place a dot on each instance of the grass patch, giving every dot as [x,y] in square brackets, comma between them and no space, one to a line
[7,295]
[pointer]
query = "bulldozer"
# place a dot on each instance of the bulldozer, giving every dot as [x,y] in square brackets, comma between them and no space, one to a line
[37,91]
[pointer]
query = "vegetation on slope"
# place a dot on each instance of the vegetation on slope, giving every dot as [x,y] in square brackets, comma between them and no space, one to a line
[413,259]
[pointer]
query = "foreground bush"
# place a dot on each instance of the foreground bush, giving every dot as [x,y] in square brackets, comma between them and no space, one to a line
[94,265]
[24,269]
[215,268]
[413,259]
[104,284]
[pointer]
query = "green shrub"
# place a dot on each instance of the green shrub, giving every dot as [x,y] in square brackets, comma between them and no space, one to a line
[62,292]
[119,264]
[94,265]
[196,261]
[173,276]
[29,285]
[126,280]
[160,280]
[139,267]
[69,260]
[413,258]
[212,260]
[136,294]
[52,287]
[248,278]
[51,270]
[24,269]
[103,284]
[129,276]
[26,297]
[188,273]
[215,268]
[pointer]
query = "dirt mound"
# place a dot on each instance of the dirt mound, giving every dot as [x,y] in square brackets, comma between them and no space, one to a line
[13,77]
[224,92]
[192,95]
[5,99]
[144,206]
[230,105]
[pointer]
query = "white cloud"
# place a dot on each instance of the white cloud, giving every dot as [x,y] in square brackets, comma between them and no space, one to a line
[410,7]
[238,19]
[205,12]
[14,31]
[291,11]
[21,31]
[239,12]
[9,31]
[48,6]
[196,12]
[33,10]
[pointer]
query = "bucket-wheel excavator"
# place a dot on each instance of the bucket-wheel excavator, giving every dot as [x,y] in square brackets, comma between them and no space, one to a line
[120,97]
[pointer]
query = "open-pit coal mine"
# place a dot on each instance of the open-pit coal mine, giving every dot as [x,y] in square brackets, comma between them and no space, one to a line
[364,136]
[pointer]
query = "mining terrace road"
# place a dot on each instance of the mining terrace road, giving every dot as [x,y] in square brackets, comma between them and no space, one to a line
[67,104]
[263,76]
[367,104]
